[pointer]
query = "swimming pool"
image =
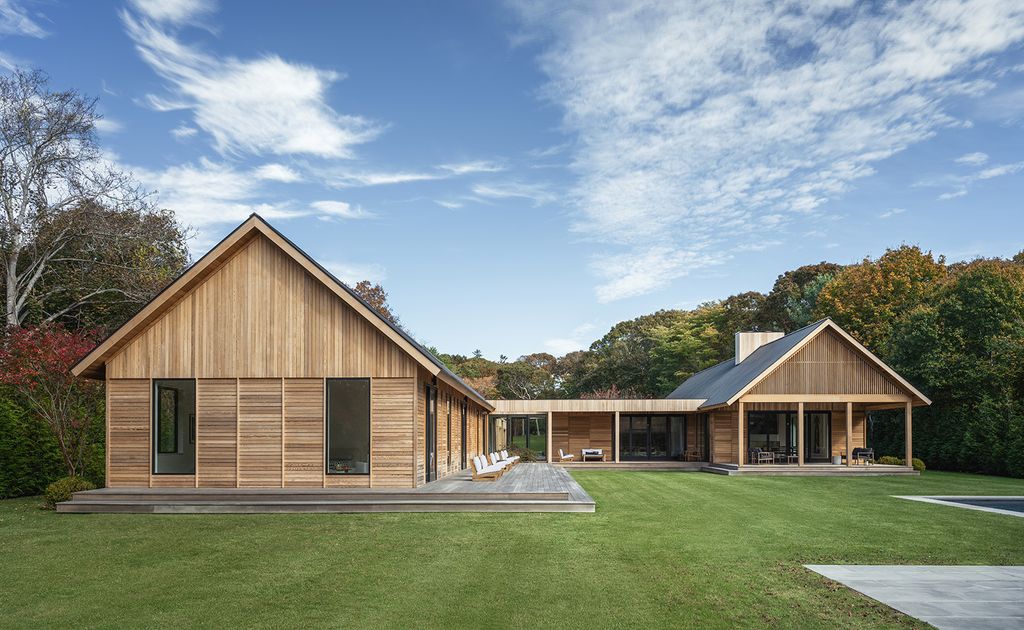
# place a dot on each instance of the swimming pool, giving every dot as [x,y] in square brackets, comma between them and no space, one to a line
[1008,505]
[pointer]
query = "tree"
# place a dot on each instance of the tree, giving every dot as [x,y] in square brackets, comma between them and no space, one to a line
[800,309]
[790,288]
[522,380]
[53,182]
[377,298]
[36,362]
[867,299]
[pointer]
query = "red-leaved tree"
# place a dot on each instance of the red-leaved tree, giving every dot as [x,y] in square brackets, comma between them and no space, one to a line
[36,362]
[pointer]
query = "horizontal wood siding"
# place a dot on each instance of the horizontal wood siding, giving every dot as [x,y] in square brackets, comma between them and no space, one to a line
[216,432]
[260,315]
[827,365]
[724,435]
[573,432]
[129,420]
[259,433]
[392,458]
[304,432]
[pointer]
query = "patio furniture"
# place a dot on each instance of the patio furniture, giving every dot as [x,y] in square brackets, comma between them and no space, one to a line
[760,456]
[482,472]
[562,457]
[497,460]
[692,455]
[592,453]
[514,459]
[864,455]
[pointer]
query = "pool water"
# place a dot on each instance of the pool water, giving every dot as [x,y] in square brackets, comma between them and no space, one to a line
[1011,504]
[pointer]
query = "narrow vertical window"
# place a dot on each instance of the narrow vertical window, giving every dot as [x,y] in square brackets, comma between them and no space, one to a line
[348,426]
[174,412]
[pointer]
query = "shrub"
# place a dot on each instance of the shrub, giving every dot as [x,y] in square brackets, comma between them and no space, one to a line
[525,454]
[62,489]
[889,460]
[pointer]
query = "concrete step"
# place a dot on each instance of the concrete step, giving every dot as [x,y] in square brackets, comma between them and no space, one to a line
[809,471]
[293,495]
[321,506]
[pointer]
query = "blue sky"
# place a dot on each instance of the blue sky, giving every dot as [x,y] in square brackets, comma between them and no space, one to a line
[521,177]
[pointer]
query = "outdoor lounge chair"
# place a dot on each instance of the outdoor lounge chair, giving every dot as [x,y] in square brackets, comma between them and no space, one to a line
[592,453]
[480,472]
[864,455]
[562,457]
[497,460]
[514,458]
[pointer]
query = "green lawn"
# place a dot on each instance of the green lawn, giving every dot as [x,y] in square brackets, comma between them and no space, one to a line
[663,549]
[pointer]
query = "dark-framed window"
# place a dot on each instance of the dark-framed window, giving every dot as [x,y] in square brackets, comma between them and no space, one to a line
[348,426]
[173,427]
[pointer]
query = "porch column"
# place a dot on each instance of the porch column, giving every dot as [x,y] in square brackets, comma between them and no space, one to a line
[740,443]
[849,432]
[800,434]
[908,419]
[549,437]
[617,437]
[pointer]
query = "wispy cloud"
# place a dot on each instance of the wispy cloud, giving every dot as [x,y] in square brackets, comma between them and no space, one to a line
[356,179]
[693,120]
[182,132]
[576,340]
[14,20]
[108,125]
[259,106]
[351,273]
[174,11]
[468,168]
[451,205]
[277,173]
[339,210]
[538,194]
[962,183]
[891,212]
[973,159]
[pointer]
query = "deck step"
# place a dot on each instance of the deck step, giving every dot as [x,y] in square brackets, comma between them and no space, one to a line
[808,471]
[321,506]
[300,496]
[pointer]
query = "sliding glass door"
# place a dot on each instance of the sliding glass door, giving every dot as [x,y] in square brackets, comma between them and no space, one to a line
[817,436]
[776,431]
[651,437]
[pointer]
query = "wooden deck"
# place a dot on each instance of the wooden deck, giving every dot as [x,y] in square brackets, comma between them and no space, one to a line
[525,488]
[809,470]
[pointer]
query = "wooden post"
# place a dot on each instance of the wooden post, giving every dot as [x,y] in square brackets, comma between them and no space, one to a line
[800,434]
[908,420]
[740,448]
[549,438]
[849,433]
[618,438]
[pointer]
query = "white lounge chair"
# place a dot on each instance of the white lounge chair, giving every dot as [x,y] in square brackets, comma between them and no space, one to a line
[497,460]
[483,472]
[504,455]
[562,457]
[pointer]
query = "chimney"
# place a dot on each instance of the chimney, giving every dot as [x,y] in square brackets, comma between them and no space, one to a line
[747,342]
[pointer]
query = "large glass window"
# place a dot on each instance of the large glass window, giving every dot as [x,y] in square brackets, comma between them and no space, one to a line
[174,427]
[520,432]
[652,437]
[348,426]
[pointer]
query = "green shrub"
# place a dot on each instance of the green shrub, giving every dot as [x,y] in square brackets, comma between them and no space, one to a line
[62,489]
[29,457]
[889,460]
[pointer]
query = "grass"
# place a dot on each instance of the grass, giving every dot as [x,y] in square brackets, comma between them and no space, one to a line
[663,549]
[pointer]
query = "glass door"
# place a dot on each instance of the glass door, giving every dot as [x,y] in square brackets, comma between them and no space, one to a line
[431,433]
[659,438]
[818,436]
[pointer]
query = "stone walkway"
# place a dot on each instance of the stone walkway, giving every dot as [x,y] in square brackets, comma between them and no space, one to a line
[948,597]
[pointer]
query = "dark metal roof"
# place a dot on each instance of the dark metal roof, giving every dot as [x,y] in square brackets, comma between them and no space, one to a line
[717,384]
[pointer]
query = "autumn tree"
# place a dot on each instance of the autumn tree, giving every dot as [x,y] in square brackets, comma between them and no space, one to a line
[867,299]
[58,193]
[785,306]
[375,295]
[36,362]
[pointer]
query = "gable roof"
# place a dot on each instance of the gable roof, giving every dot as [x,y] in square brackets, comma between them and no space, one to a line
[723,384]
[92,365]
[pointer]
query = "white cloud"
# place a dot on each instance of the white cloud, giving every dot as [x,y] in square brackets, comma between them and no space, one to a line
[340,210]
[108,125]
[536,193]
[277,173]
[183,131]
[577,340]
[693,120]
[346,179]
[999,171]
[351,273]
[173,11]
[451,205]
[467,168]
[263,105]
[962,183]
[14,20]
[946,196]
[891,212]
[973,159]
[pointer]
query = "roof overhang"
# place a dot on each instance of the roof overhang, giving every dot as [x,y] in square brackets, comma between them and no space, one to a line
[642,405]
